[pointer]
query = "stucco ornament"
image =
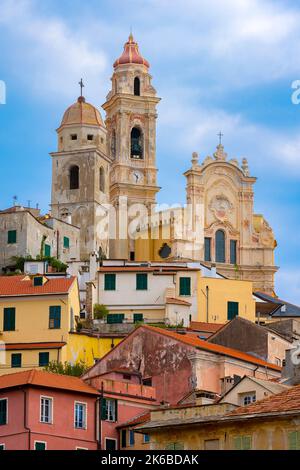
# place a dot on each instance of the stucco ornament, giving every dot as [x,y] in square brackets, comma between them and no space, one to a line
[221,207]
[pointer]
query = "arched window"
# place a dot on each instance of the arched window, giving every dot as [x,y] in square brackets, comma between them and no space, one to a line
[220,246]
[137,86]
[102,179]
[136,143]
[74,177]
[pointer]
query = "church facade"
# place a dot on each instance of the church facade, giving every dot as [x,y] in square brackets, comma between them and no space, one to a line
[104,180]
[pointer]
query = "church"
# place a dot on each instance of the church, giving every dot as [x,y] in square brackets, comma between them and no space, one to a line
[104,181]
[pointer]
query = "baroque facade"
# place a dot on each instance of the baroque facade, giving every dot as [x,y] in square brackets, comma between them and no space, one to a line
[105,176]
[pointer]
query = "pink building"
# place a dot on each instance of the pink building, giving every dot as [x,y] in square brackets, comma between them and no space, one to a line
[123,397]
[44,411]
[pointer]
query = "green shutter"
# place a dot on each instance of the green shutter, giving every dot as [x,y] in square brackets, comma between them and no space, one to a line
[246,443]
[43,359]
[9,323]
[47,251]
[232,310]
[66,242]
[103,409]
[115,318]
[16,360]
[54,317]
[242,443]
[38,281]
[12,236]
[109,282]
[294,440]
[185,286]
[3,412]
[138,317]
[40,446]
[141,281]
[170,446]
[237,443]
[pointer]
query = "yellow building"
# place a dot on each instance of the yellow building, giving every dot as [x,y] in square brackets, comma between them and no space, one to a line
[38,318]
[269,424]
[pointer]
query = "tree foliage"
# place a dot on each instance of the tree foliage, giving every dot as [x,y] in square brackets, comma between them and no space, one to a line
[66,368]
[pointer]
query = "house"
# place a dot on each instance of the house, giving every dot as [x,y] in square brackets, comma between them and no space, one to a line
[175,364]
[270,308]
[38,317]
[124,397]
[253,339]
[131,440]
[44,411]
[269,424]
[250,390]
[23,232]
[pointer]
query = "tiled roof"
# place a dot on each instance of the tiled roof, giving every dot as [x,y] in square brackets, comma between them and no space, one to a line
[290,310]
[172,300]
[144,269]
[207,327]
[215,348]
[131,54]
[289,400]
[16,285]
[141,419]
[43,379]
[21,346]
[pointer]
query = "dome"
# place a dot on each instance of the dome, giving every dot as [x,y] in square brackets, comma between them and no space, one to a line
[131,54]
[82,113]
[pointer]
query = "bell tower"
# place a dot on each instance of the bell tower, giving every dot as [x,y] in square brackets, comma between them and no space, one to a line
[131,140]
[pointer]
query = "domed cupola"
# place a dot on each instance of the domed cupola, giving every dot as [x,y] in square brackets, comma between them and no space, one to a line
[131,54]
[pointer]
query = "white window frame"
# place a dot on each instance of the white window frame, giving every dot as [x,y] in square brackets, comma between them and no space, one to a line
[43,397]
[85,416]
[40,442]
[144,439]
[110,401]
[3,445]
[111,439]
[250,396]
[5,399]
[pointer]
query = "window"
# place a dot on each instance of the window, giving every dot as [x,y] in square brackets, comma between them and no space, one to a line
[66,242]
[232,310]
[80,415]
[74,177]
[233,251]
[9,319]
[46,410]
[73,136]
[43,359]
[146,439]
[211,444]
[147,381]
[37,281]
[90,137]
[175,446]
[137,86]
[136,143]
[131,437]
[54,317]
[123,438]
[220,246]
[109,408]
[248,399]
[39,445]
[109,282]
[16,360]
[242,443]
[12,237]
[138,317]
[110,444]
[47,251]
[185,286]
[3,411]
[141,281]
[207,249]
[2,446]
[113,318]
[294,440]
[102,180]
[132,256]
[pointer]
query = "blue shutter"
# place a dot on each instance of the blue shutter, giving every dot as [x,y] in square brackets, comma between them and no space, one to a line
[43,359]
[233,253]
[16,360]
[232,310]
[220,246]
[54,317]
[9,323]
[207,249]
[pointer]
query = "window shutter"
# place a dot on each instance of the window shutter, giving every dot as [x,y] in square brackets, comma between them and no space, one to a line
[109,282]
[103,409]
[233,253]
[232,310]
[246,442]
[54,317]
[66,242]
[207,249]
[170,446]
[179,446]
[9,323]
[185,286]
[16,360]
[47,249]
[43,359]
[3,412]
[138,317]
[12,236]
[141,281]
[293,439]
[116,410]
[237,443]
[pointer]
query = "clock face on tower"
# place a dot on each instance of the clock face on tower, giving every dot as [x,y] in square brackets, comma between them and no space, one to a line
[137,177]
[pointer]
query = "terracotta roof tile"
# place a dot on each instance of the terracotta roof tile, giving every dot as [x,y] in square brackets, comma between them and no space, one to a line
[207,327]
[287,400]
[20,346]
[172,300]
[16,285]
[40,378]
[141,419]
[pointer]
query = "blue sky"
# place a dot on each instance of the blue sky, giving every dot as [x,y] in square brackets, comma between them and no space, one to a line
[216,64]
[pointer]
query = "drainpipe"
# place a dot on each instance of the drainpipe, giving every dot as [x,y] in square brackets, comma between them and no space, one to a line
[57,244]
[98,422]
[207,303]
[25,418]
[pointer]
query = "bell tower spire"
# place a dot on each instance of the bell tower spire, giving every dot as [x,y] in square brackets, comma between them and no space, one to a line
[131,125]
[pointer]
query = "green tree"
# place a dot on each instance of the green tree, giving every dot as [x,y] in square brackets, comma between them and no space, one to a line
[66,368]
[100,311]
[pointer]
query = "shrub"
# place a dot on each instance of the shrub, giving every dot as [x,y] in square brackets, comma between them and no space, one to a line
[100,312]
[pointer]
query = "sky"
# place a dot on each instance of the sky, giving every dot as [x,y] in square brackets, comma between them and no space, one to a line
[217,65]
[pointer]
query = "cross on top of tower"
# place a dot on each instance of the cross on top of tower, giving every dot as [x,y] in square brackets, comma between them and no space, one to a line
[81,84]
[220,135]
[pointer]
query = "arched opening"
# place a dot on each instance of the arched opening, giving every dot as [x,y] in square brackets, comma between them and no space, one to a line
[136,143]
[74,177]
[137,86]
[220,246]
[102,179]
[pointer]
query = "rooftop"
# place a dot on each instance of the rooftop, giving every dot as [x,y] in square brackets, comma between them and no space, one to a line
[131,54]
[23,285]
